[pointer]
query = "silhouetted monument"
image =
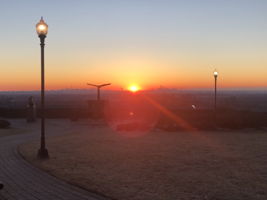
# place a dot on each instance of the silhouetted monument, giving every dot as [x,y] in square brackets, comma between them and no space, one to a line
[98,88]
[31,110]
[96,106]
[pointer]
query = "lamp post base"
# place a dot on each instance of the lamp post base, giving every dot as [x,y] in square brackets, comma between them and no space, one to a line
[43,154]
[1,185]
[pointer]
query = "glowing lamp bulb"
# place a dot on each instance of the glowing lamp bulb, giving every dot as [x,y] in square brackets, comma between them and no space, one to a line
[41,28]
[215,73]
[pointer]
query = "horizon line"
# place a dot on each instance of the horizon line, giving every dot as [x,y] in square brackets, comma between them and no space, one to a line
[152,89]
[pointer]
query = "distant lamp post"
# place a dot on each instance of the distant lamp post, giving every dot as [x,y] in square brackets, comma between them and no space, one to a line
[42,29]
[215,74]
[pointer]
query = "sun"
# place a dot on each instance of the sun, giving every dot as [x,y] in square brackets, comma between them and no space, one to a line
[133,88]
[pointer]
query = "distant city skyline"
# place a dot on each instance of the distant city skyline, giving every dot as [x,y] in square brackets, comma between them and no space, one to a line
[148,43]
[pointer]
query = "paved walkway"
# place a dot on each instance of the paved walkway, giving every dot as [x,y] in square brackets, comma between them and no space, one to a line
[25,182]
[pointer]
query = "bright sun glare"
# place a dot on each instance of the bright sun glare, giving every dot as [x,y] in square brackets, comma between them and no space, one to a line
[133,88]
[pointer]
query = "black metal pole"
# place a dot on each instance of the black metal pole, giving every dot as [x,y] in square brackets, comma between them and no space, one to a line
[215,100]
[215,96]
[98,93]
[42,153]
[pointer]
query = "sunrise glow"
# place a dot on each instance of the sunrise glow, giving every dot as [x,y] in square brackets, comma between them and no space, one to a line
[133,88]
[127,45]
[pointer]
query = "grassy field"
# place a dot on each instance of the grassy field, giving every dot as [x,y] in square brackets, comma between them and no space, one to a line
[159,165]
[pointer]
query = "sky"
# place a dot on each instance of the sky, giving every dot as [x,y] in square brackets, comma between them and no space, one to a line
[151,43]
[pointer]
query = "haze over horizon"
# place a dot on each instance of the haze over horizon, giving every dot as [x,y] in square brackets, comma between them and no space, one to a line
[177,44]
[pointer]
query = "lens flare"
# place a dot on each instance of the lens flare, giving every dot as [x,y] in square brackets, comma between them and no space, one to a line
[131,116]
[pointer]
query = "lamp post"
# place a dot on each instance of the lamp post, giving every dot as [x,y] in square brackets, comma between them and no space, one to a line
[42,29]
[215,74]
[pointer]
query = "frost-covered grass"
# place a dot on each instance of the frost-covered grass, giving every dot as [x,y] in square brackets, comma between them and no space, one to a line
[159,165]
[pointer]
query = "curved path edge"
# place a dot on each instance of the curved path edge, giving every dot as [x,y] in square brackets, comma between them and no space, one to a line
[24,181]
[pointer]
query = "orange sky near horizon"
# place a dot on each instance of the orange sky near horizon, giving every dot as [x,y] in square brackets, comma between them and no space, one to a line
[147,74]
[121,70]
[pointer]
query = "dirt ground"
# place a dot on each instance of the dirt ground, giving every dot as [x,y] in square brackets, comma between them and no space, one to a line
[158,165]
